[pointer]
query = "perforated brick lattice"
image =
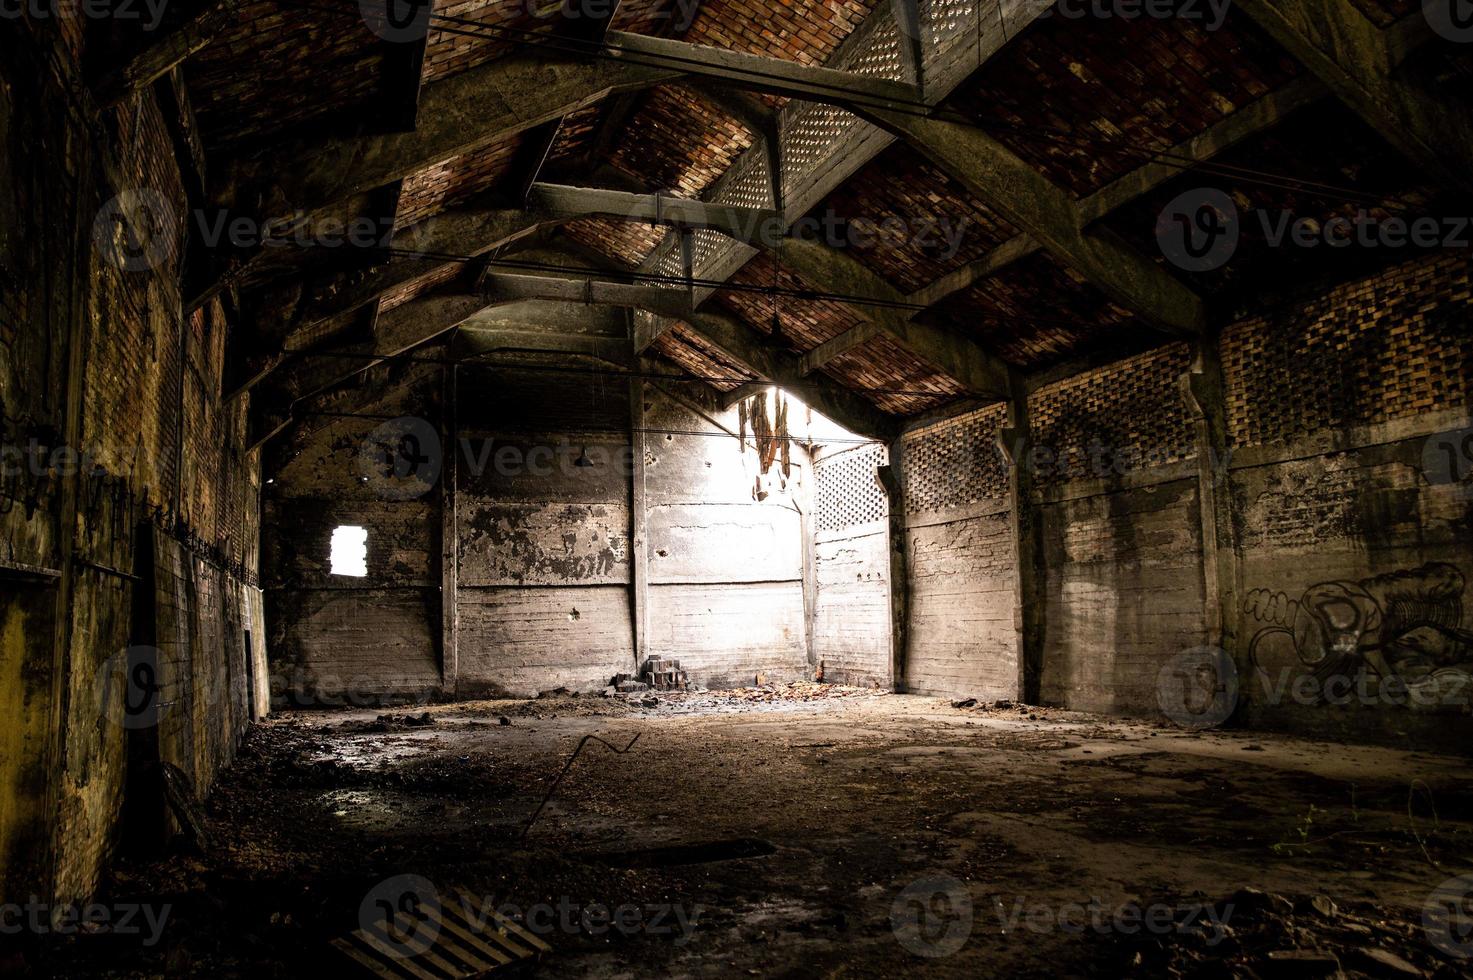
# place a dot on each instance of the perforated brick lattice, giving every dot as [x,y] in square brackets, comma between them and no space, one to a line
[1121,419]
[956,462]
[847,491]
[1385,348]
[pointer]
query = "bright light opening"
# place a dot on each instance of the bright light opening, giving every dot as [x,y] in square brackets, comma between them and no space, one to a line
[350,551]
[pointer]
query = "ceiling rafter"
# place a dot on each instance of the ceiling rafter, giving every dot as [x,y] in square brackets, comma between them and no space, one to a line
[1231,131]
[978,369]
[165,50]
[1365,66]
[1048,214]
[512,95]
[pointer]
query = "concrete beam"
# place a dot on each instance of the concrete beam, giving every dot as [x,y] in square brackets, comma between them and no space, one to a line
[1231,131]
[583,25]
[740,393]
[752,225]
[468,232]
[1203,394]
[1049,215]
[399,330]
[1359,63]
[164,51]
[488,103]
[891,482]
[831,270]
[654,299]
[639,533]
[511,95]
[1030,611]
[775,76]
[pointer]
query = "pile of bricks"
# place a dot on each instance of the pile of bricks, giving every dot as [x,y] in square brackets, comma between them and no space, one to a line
[664,675]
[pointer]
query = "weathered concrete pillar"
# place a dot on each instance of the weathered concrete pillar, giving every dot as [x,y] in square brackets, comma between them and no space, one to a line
[450,536]
[1206,404]
[639,558]
[1015,442]
[899,577]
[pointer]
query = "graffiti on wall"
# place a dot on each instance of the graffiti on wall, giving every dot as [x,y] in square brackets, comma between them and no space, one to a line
[1396,638]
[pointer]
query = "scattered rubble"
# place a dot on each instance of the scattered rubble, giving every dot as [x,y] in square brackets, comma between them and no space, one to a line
[1267,935]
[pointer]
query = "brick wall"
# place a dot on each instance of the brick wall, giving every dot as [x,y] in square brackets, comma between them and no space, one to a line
[77,328]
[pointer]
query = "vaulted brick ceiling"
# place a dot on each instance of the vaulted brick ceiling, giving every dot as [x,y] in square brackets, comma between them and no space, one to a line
[1084,102]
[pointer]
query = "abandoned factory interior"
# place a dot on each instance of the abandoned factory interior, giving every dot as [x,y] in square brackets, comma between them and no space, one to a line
[731,488]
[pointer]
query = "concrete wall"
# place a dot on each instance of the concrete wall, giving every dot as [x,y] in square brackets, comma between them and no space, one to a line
[117,392]
[960,559]
[543,563]
[1353,507]
[1113,468]
[726,569]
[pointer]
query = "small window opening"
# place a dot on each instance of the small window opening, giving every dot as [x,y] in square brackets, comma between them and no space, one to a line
[350,551]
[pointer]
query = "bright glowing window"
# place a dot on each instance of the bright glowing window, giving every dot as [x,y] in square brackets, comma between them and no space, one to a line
[350,551]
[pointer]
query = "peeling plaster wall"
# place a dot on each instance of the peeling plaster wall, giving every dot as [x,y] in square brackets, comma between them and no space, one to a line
[726,570]
[544,565]
[541,544]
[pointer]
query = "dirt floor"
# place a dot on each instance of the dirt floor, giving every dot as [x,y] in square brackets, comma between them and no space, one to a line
[815,831]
